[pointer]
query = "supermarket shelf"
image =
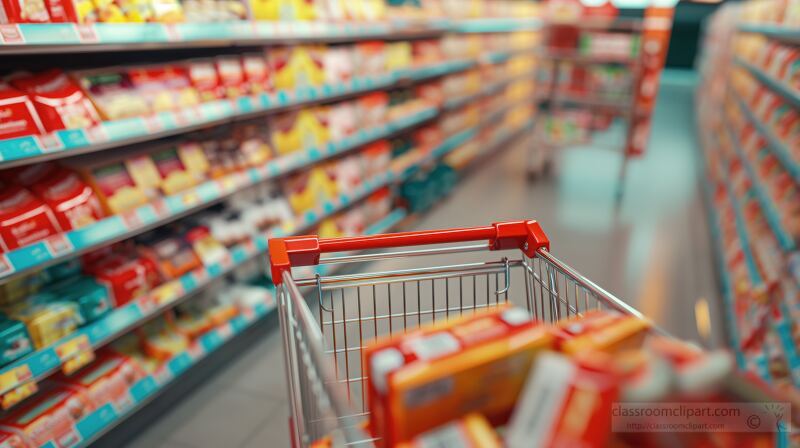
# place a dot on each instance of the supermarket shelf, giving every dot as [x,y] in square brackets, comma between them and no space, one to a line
[779,87]
[773,143]
[788,34]
[117,133]
[455,103]
[768,207]
[69,37]
[44,362]
[106,417]
[622,107]
[114,228]
[577,58]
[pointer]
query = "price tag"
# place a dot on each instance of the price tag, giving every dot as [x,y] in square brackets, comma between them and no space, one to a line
[153,124]
[75,353]
[6,267]
[50,143]
[173,34]
[11,35]
[58,245]
[191,198]
[225,331]
[19,394]
[132,220]
[227,183]
[86,33]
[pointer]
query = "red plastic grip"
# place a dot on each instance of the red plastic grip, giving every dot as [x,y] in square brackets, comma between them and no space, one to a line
[284,253]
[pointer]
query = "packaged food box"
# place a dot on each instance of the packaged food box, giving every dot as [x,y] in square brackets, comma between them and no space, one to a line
[257,73]
[295,131]
[48,322]
[113,184]
[18,288]
[165,88]
[15,342]
[191,321]
[253,140]
[601,331]
[427,52]
[126,276]
[348,172]
[339,63]
[24,218]
[114,94]
[11,440]
[342,120]
[204,77]
[309,189]
[49,417]
[106,381]
[59,101]
[162,342]
[444,371]
[136,11]
[73,203]
[171,253]
[207,248]
[373,109]
[180,168]
[167,11]
[370,58]
[24,11]
[231,76]
[18,117]
[90,298]
[398,56]
[564,404]
[298,67]
[470,431]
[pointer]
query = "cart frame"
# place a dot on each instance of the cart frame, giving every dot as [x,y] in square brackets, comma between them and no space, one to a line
[325,379]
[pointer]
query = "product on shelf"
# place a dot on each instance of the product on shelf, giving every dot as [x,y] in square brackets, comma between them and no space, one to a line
[340,64]
[308,189]
[170,252]
[164,88]
[231,76]
[205,78]
[295,131]
[49,418]
[298,67]
[24,11]
[126,276]
[58,100]
[258,73]
[90,299]
[24,218]
[370,58]
[18,116]
[463,352]
[15,342]
[73,203]
[160,341]
[106,381]
[46,322]
[114,94]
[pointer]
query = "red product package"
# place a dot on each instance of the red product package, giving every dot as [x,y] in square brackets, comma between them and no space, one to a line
[257,73]
[127,277]
[18,116]
[107,380]
[61,11]
[564,404]
[164,88]
[59,100]
[24,218]
[24,11]
[29,175]
[49,417]
[204,77]
[231,76]
[73,202]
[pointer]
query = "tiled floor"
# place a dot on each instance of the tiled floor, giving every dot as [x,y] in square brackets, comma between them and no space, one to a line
[653,251]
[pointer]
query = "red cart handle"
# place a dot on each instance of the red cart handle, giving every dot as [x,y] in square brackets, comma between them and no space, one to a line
[284,253]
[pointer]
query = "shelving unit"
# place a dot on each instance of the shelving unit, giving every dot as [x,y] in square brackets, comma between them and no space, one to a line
[759,311]
[167,129]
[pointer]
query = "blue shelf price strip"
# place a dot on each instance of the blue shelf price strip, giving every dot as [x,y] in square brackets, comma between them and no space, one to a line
[768,207]
[775,146]
[172,123]
[225,33]
[114,227]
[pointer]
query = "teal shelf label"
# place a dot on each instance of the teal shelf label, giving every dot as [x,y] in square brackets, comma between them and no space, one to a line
[179,364]
[19,148]
[73,138]
[245,104]
[124,129]
[122,33]
[98,232]
[96,421]
[211,340]
[143,389]
[50,33]
[238,324]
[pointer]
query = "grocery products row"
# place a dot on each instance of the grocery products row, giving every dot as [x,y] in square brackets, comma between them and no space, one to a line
[176,11]
[53,113]
[579,368]
[748,121]
[308,195]
[117,379]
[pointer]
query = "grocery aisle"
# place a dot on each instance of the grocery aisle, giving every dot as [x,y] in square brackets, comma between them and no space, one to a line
[653,252]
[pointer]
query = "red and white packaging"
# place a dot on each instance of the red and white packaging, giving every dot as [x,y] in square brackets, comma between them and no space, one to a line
[18,116]
[127,277]
[24,11]
[62,11]
[231,76]
[72,201]
[24,218]
[107,380]
[29,175]
[59,100]
[564,404]
[257,73]
[49,418]
[204,77]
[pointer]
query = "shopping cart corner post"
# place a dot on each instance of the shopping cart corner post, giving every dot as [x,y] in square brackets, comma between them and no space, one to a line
[525,235]
[293,251]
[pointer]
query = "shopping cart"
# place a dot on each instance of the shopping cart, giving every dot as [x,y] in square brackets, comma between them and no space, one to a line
[323,333]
